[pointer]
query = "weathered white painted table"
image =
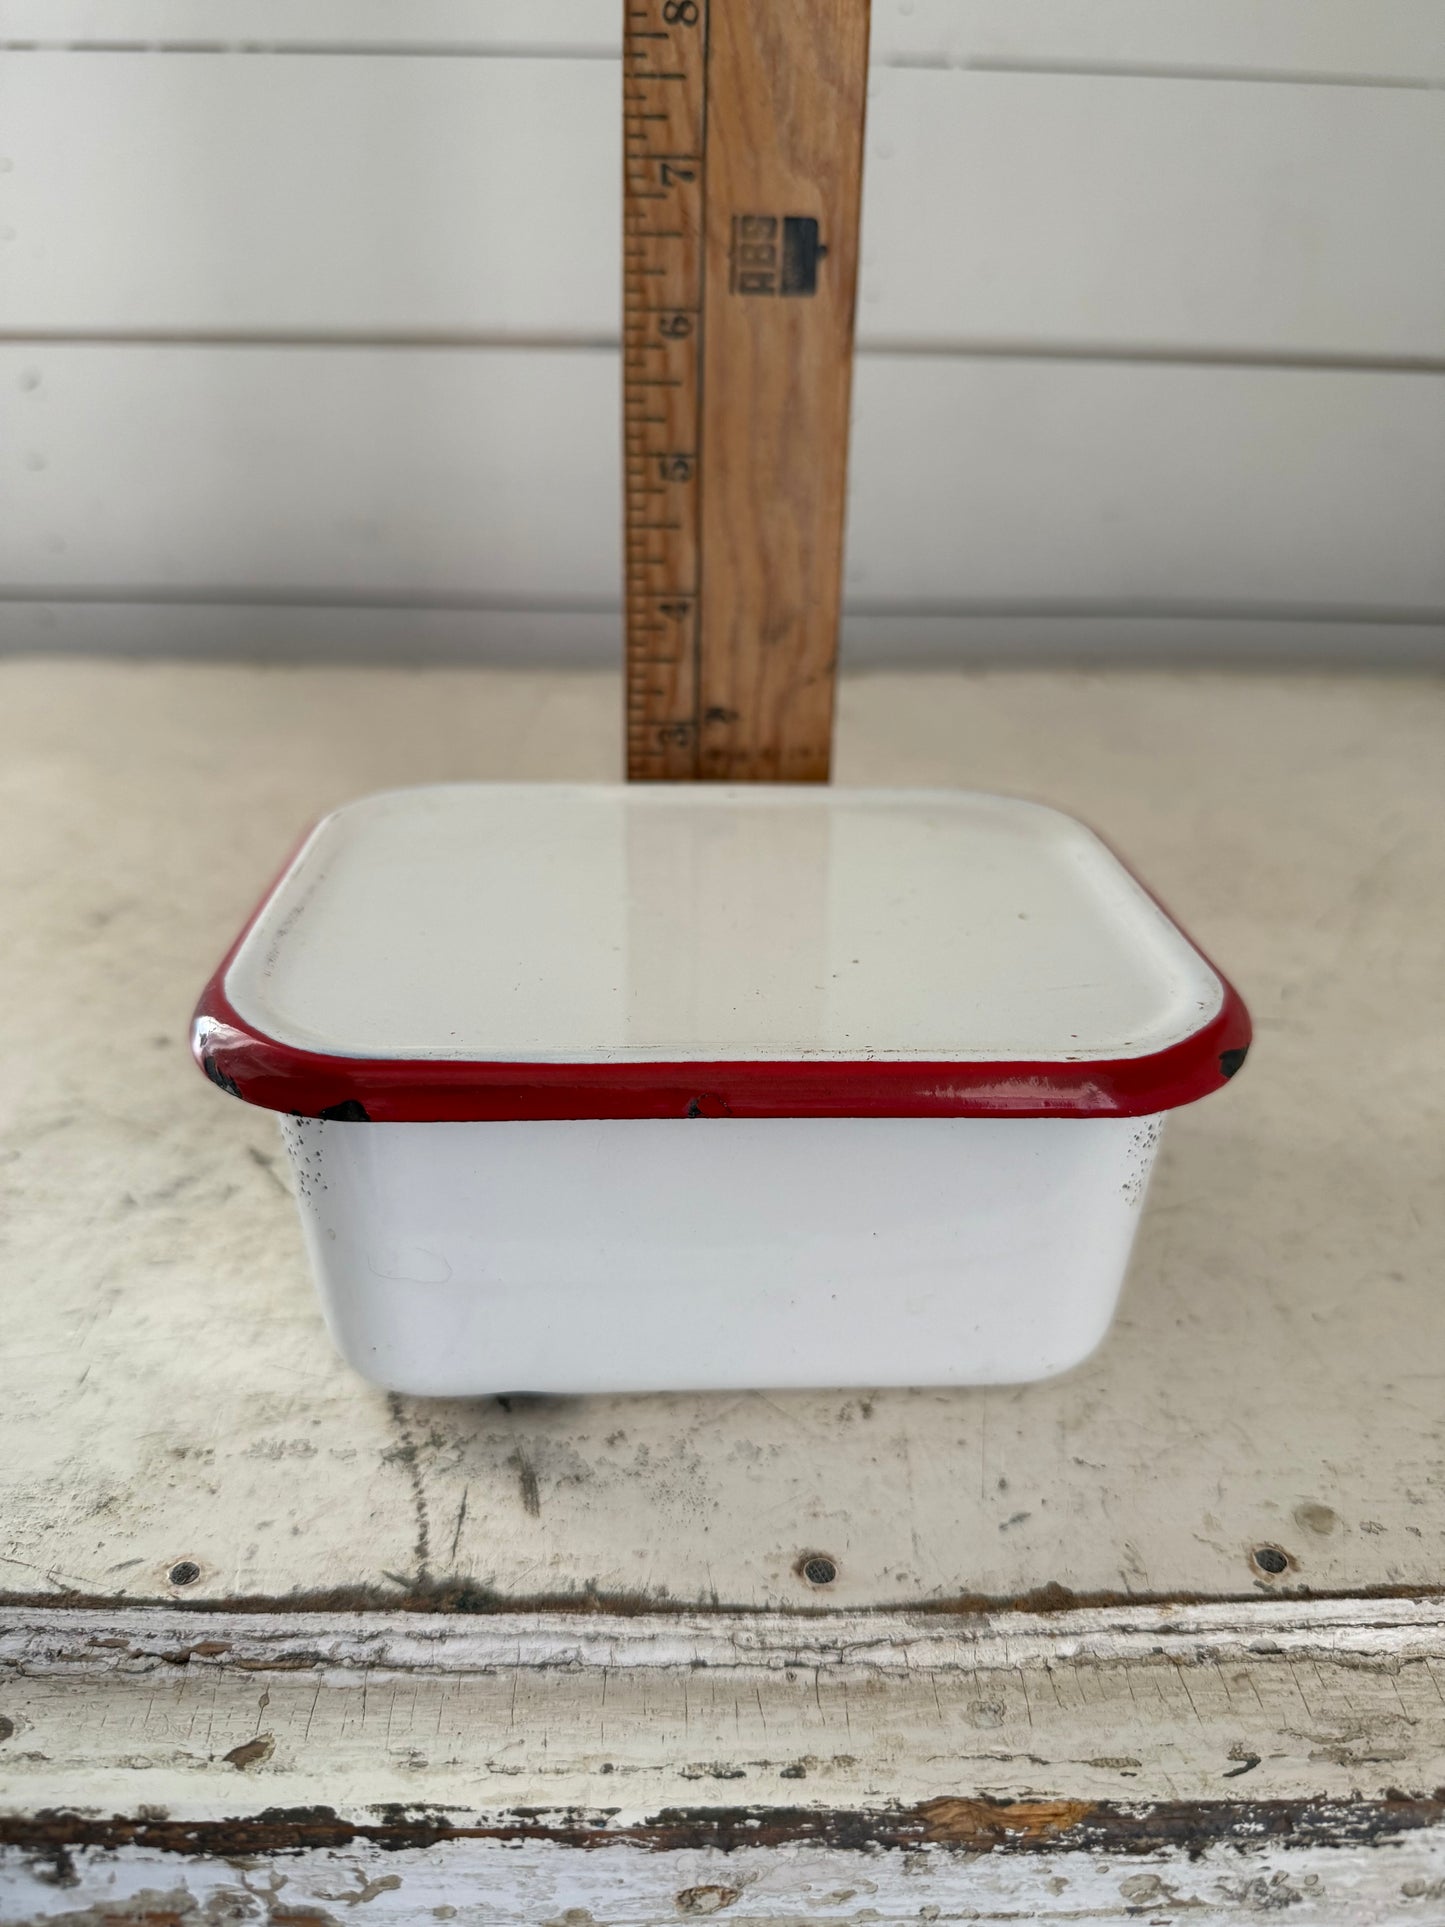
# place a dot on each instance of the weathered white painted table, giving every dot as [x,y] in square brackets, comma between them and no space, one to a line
[554,1660]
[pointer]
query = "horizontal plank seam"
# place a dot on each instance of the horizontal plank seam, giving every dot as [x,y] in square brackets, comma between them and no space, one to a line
[1151,354]
[250,596]
[1149,70]
[369,49]
[960,348]
[940,62]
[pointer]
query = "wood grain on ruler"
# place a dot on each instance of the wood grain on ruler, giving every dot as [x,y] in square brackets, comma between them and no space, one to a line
[743,125]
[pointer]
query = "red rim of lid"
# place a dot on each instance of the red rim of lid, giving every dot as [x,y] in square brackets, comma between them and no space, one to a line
[277,1076]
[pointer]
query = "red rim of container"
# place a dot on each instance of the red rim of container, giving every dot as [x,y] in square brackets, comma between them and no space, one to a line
[265,1071]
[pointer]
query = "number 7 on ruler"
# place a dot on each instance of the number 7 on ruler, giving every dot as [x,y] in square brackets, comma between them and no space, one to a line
[743,152]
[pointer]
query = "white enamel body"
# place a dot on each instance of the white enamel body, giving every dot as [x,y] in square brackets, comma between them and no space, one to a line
[600,1255]
[614,928]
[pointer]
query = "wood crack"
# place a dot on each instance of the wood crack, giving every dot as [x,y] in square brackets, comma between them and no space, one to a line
[972,1826]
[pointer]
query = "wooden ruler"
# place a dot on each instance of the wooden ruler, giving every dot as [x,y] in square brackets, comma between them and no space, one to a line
[743,144]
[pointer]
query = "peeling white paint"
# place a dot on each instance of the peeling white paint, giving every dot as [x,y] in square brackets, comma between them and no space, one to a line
[477,1884]
[211,1715]
[36,1640]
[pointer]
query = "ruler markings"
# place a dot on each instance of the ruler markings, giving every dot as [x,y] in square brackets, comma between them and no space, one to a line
[746,117]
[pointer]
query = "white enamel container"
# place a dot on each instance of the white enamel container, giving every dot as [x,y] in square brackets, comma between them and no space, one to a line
[609,1088]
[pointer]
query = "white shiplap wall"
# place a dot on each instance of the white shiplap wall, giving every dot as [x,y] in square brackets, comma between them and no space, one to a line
[308,312]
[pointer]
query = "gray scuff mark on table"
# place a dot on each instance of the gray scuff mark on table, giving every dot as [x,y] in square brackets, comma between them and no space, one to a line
[461,1521]
[408,1455]
[527,1486]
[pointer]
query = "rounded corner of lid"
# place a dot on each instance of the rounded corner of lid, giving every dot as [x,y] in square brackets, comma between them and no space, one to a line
[353,808]
[264,1072]
[1209,1057]
[1083,830]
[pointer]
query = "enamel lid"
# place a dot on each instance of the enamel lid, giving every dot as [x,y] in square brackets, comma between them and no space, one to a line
[546,950]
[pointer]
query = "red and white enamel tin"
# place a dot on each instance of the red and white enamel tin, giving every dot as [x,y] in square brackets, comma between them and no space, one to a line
[610,1088]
